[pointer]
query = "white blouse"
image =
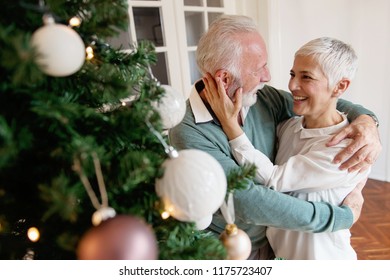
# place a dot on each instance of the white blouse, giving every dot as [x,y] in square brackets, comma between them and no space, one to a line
[305,170]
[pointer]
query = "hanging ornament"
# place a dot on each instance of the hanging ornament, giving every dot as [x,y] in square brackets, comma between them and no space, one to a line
[193,186]
[171,107]
[204,222]
[113,237]
[61,51]
[237,243]
[120,238]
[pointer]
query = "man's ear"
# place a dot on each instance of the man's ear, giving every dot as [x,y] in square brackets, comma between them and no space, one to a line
[225,77]
[341,87]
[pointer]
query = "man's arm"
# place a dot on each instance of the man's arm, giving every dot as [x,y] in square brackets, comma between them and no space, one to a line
[366,147]
[263,206]
[355,200]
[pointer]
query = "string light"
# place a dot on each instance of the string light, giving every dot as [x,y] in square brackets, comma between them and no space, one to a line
[33,234]
[89,51]
[165,215]
[75,21]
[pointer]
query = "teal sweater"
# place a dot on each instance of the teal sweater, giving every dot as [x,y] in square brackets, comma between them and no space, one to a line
[258,206]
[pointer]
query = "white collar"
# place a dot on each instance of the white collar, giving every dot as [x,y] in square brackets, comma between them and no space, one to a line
[318,132]
[200,111]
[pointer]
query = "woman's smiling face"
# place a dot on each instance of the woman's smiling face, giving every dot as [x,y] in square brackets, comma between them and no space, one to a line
[313,98]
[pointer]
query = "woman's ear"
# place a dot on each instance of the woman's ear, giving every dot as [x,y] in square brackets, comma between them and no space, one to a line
[341,87]
[225,77]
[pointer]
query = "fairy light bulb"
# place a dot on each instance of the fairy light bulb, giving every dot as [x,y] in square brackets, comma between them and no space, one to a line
[89,52]
[33,234]
[165,215]
[75,21]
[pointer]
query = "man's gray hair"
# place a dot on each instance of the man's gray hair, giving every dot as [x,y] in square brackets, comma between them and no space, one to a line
[219,48]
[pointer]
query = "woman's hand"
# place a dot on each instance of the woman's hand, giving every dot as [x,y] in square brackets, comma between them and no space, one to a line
[226,109]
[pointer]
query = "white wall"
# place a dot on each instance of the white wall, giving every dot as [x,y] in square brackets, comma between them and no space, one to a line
[287,25]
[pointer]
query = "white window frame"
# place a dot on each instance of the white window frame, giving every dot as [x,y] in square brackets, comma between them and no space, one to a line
[174,32]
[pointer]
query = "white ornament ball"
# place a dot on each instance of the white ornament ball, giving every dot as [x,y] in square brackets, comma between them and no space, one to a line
[193,186]
[61,51]
[237,243]
[204,222]
[171,107]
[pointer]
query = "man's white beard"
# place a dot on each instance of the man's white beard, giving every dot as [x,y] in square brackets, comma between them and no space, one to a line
[250,98]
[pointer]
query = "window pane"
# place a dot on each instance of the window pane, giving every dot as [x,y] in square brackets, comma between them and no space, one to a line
[195,74]
[121,41]
[148,25]
[193,3]
[160,70]
[213,16]
[215,3]
[194,27]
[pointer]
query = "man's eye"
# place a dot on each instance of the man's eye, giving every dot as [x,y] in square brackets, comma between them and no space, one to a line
[306,77]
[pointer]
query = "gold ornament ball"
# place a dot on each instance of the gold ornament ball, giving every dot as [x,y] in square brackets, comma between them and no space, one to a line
[120,238]
[237,243]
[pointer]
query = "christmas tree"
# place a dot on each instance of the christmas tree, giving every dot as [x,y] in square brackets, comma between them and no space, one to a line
[80,135]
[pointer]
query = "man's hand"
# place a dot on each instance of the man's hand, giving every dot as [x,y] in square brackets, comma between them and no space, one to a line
[354,200]
[365,147]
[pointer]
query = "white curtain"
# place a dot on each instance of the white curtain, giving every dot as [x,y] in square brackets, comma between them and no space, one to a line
[363,24]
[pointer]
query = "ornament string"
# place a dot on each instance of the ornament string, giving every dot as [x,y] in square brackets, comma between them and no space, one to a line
[227,209]
[87,185]
[169,150]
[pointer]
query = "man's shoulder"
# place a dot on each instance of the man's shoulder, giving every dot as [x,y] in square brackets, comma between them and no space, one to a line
[270,89]
[270,99]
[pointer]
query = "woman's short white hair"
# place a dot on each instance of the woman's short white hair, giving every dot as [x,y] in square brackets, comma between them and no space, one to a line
[337,59]
[220,48]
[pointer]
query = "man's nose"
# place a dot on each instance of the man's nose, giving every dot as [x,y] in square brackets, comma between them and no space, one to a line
[265,75]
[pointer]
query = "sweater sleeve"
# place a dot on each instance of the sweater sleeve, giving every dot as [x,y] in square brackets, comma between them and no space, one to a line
[352,110]
[263,206]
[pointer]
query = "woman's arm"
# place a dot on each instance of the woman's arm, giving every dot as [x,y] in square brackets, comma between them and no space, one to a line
[311,171]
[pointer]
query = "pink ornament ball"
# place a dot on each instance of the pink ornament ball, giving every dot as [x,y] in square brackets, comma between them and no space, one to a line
[120,238]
